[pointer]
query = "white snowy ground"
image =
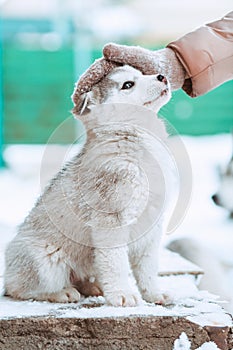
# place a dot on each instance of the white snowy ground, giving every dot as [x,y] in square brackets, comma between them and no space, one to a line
[183,343]
[20,185]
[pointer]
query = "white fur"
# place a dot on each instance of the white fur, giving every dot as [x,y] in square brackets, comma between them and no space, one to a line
[85,229]
[215,275]
[225,192]
[148,90]
[224,195]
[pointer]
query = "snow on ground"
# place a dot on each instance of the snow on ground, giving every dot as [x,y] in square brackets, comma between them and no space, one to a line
[20,186]
[183,343]
[197,306]
[204,220]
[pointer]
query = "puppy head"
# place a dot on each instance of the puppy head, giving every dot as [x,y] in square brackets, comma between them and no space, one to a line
[125,84]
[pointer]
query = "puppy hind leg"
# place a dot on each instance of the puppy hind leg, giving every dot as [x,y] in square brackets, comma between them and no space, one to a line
[35,273]
[66,295]
[55,277]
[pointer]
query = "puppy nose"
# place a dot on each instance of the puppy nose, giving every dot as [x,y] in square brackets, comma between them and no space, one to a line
[162,78]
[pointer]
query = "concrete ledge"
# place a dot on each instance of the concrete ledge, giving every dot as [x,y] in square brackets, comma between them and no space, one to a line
[91,324]
[157,333]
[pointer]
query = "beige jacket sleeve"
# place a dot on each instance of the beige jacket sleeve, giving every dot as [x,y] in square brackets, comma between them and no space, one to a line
[207,56]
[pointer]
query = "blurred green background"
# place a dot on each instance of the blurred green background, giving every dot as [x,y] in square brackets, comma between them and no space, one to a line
[44,53]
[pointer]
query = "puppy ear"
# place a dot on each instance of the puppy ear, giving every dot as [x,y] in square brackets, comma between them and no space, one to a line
[81,103]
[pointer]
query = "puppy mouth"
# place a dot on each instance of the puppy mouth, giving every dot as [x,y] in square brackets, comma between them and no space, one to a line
[164,92]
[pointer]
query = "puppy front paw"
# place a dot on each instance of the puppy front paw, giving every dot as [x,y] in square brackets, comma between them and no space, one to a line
[159,297]
[123,298]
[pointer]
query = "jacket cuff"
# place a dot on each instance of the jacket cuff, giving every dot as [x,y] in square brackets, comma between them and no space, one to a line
[207,56]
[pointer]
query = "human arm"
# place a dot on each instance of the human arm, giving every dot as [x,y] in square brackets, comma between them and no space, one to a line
[198,62]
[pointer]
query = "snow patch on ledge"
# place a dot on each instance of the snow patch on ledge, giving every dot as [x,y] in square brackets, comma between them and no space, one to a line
[197,306]
[183,343]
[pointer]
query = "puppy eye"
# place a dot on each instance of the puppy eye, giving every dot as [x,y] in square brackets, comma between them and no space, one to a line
[127,85]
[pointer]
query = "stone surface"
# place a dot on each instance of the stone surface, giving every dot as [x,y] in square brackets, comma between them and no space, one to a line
[107,333]
[220,335]
[91,324]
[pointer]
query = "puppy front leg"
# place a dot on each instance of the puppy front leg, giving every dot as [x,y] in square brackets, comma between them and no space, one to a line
[115,277]
[146,274]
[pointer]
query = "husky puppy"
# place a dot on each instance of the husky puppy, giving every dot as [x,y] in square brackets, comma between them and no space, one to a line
[224,195]
[70,242]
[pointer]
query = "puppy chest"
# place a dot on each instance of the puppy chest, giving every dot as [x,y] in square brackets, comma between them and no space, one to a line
[114,191]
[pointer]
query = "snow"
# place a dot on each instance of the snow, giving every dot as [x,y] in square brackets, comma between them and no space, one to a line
[197,306]
[20,184]
[182,343]
[204,220]
[208,346]
[170,262]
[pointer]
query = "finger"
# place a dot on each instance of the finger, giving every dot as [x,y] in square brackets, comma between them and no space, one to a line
[137,57]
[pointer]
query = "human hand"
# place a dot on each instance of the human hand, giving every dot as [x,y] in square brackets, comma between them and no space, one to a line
[162,61]
[99,69]
[148,62]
